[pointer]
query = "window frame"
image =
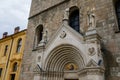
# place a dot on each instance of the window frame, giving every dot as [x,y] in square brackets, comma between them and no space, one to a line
[19,45]
[5,50]
[14,70]
[39,33]
[117,4]
[116,27]
[74,18]
[11,76]
[15,67]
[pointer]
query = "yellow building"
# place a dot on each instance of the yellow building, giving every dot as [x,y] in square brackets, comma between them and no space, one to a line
[11,52]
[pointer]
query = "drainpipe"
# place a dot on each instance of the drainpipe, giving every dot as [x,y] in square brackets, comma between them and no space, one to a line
[8,58]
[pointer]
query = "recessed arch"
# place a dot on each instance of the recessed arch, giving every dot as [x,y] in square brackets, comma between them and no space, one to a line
[61,56]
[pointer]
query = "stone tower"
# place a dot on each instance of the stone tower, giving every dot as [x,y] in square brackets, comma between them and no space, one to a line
[72,40]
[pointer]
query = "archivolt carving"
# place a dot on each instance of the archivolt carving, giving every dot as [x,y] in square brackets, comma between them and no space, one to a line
[91,63]
[63,55]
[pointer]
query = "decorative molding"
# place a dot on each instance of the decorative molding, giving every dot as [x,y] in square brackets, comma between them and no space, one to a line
[118,59]
[69,30]
[92,71]
[99,52]
[38,58]
[16,57]
[115,71]
[91,51]
[91,63]
[63,34]
[36,69]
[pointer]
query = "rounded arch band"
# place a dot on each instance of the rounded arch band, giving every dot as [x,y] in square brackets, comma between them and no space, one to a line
[62,55]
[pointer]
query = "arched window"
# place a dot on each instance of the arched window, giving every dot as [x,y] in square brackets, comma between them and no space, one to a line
[19,44]
[74,18]
[117,5]
[39,31]
[14,67]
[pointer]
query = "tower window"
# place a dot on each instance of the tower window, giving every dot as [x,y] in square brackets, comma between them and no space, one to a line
[0,72]
[74,19]
[39,31]
[6,49]
[118,12]
[19,45]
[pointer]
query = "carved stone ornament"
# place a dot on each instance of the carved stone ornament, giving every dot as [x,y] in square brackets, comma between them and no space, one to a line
[39,58]
[91,63]
[63,35]
[91,19]
[91,51]
[36,69]
[71,66]
[66,13]
[99,52]
[118,60]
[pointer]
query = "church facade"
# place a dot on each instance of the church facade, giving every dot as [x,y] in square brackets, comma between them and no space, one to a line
[72,40]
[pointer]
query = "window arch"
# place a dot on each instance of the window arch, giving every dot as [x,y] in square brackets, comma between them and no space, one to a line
[74,18]
[117,7]
[39,31]
[19,44]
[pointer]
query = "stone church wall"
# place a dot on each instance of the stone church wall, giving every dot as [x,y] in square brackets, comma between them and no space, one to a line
[50,13]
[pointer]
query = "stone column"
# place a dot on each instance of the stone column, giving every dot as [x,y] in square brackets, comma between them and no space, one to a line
[95,67]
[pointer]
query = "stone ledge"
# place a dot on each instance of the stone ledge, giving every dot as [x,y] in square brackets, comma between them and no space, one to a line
[95,70]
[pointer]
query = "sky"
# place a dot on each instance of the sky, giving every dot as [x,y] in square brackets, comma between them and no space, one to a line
[13,13]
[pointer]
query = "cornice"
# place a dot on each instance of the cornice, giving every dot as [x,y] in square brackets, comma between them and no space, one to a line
[9,37]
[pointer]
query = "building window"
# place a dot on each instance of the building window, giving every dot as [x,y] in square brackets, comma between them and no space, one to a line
[1,72]
[12,76]
[74,18]
[14,67]
[19,45]
[117,5]
[14,70]
[6,49]
[39,31]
